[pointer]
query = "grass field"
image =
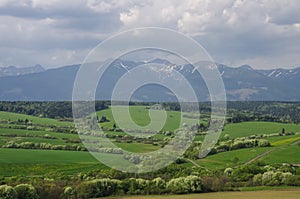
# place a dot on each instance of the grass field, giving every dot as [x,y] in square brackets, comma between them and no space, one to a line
[288,154]
[279,140]
[34,136]
[36,162]
[245,129]
[140,115]
[277,155]
[267,194]
[35,120]
[225,159]
[137,147]
[30,161]
[21,132]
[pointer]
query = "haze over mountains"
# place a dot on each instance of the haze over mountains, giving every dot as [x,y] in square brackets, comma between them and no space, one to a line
[242,83]
[16,71]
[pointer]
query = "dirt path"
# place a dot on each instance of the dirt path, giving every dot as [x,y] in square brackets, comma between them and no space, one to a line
[259,156]
[196,164]
[269,151]
[193,162]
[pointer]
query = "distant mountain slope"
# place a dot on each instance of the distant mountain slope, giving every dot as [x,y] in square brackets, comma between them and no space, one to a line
[52,84]
[242,83]
[17,71]
[245,83]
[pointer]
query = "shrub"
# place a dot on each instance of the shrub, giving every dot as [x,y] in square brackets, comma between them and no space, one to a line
[189,184]
[293,180]
[228,171]
[263,143]
[257,180]
[69,193]
[178,185]
[26,191]
[48,189]
[271,178]
[226,137]
[30,128]
[137,186]
[286,177]
[99,188]
[267,178]
[213,183]
[8,192]
[158,185]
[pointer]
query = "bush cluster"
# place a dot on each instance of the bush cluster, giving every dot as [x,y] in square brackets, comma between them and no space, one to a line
[21,191]
[44,146]
[271,178]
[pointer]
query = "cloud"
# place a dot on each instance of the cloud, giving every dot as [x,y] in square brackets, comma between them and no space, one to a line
[263,33]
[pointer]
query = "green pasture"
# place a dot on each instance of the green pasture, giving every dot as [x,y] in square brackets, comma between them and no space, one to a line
[226,159]
[35,120]
[245,129]
[137,147]
[140,115]
[288,154]
[283,140]
[37,162]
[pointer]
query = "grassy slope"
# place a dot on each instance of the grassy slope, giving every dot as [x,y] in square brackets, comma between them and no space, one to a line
[21,136]
[289,154]
[279,140]
[35,120]
[221,160]
[44,156]
[137,147]
[35,162]
[140,115]
[21,132]
[255,128]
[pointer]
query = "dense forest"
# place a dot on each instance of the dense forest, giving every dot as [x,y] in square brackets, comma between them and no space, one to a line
[45,109]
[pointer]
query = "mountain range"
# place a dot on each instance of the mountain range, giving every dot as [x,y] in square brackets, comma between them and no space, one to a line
[241,83]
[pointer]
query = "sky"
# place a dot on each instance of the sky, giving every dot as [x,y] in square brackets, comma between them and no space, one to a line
[264,34]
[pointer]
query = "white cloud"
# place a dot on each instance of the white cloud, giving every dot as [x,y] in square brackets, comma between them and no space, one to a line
[233,31]
[130,17]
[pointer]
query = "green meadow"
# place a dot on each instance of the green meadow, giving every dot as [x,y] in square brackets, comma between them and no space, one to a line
[33,119]
[280,152]
[245,129]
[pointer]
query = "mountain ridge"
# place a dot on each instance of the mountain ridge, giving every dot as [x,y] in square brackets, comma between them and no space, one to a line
[241,83]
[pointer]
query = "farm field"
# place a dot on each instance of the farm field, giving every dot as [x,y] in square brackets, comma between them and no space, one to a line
[277,141]
[34,119]
[37,162]
[245,129]
[280,144]
[140,115]
[226,159]
[40,151]
[290,154]
[268,194]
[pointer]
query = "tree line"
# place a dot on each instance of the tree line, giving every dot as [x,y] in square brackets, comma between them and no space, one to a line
[172,180]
